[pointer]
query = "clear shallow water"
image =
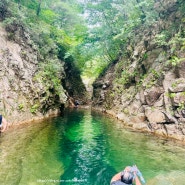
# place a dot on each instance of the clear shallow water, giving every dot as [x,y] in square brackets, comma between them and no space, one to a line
[84,148]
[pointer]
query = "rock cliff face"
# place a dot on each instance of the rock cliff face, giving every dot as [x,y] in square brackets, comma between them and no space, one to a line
[25,92]
[35,82]
[21,96]
[146,88]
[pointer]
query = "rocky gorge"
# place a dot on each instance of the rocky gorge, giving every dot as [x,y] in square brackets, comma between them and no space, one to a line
[27,92]
[145,88]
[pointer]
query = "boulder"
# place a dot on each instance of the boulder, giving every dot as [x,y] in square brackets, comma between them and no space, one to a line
[142,97]
[169,78]
[177,85]
[160,101]
[135,107]
[181,69]
[140,126]
[122,117]
[151,57]
[153,95]
[178,99]
[182,120]
[155,116]
[140,118]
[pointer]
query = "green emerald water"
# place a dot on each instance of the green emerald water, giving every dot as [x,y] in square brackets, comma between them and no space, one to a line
[85,148]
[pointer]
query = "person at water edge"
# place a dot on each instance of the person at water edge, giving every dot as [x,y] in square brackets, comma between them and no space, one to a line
[76,103]
[126,177]
[3,124]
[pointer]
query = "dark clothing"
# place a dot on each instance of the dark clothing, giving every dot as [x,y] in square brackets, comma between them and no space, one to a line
[1,119]
[76,103]
[127,177]
[119,183]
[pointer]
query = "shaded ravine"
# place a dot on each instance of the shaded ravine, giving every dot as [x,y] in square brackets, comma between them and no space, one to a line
[85,148]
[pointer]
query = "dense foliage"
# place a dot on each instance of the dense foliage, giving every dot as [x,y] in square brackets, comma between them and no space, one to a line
[93,33]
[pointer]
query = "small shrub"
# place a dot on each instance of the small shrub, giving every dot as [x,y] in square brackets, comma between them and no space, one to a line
[145,56]
[174,60]
[21,107]
[34,109]
[161,39]
[181,106]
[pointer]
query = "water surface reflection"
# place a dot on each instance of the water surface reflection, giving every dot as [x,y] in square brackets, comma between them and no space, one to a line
[85,148]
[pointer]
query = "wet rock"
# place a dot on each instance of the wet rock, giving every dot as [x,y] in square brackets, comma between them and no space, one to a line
[123,117]
[140,126]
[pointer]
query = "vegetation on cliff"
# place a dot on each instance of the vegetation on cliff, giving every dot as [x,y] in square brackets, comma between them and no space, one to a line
[92,33]
[35,52]
[146,85]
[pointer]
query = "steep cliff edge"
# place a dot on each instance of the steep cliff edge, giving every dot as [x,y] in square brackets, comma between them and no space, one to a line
[22,96]
[34,81]
[146,87]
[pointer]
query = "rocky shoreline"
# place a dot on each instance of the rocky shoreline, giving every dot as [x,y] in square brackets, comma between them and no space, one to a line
[141,126]
[145,88]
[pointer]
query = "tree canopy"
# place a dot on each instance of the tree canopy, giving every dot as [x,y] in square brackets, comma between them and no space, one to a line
[93,33]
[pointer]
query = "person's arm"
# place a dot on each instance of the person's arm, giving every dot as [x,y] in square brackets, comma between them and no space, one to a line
[137,181]
[116,177]
[4,125]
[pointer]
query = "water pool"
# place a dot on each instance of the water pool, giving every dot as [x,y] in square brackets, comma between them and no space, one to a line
[85,148]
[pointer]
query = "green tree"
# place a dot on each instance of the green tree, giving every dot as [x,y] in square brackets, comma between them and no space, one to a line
[86,30]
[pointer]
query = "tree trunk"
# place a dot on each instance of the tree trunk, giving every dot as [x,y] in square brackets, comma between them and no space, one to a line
[39,7]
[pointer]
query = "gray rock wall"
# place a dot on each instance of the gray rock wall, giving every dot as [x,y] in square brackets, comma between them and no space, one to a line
[152,98]
[22,98]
